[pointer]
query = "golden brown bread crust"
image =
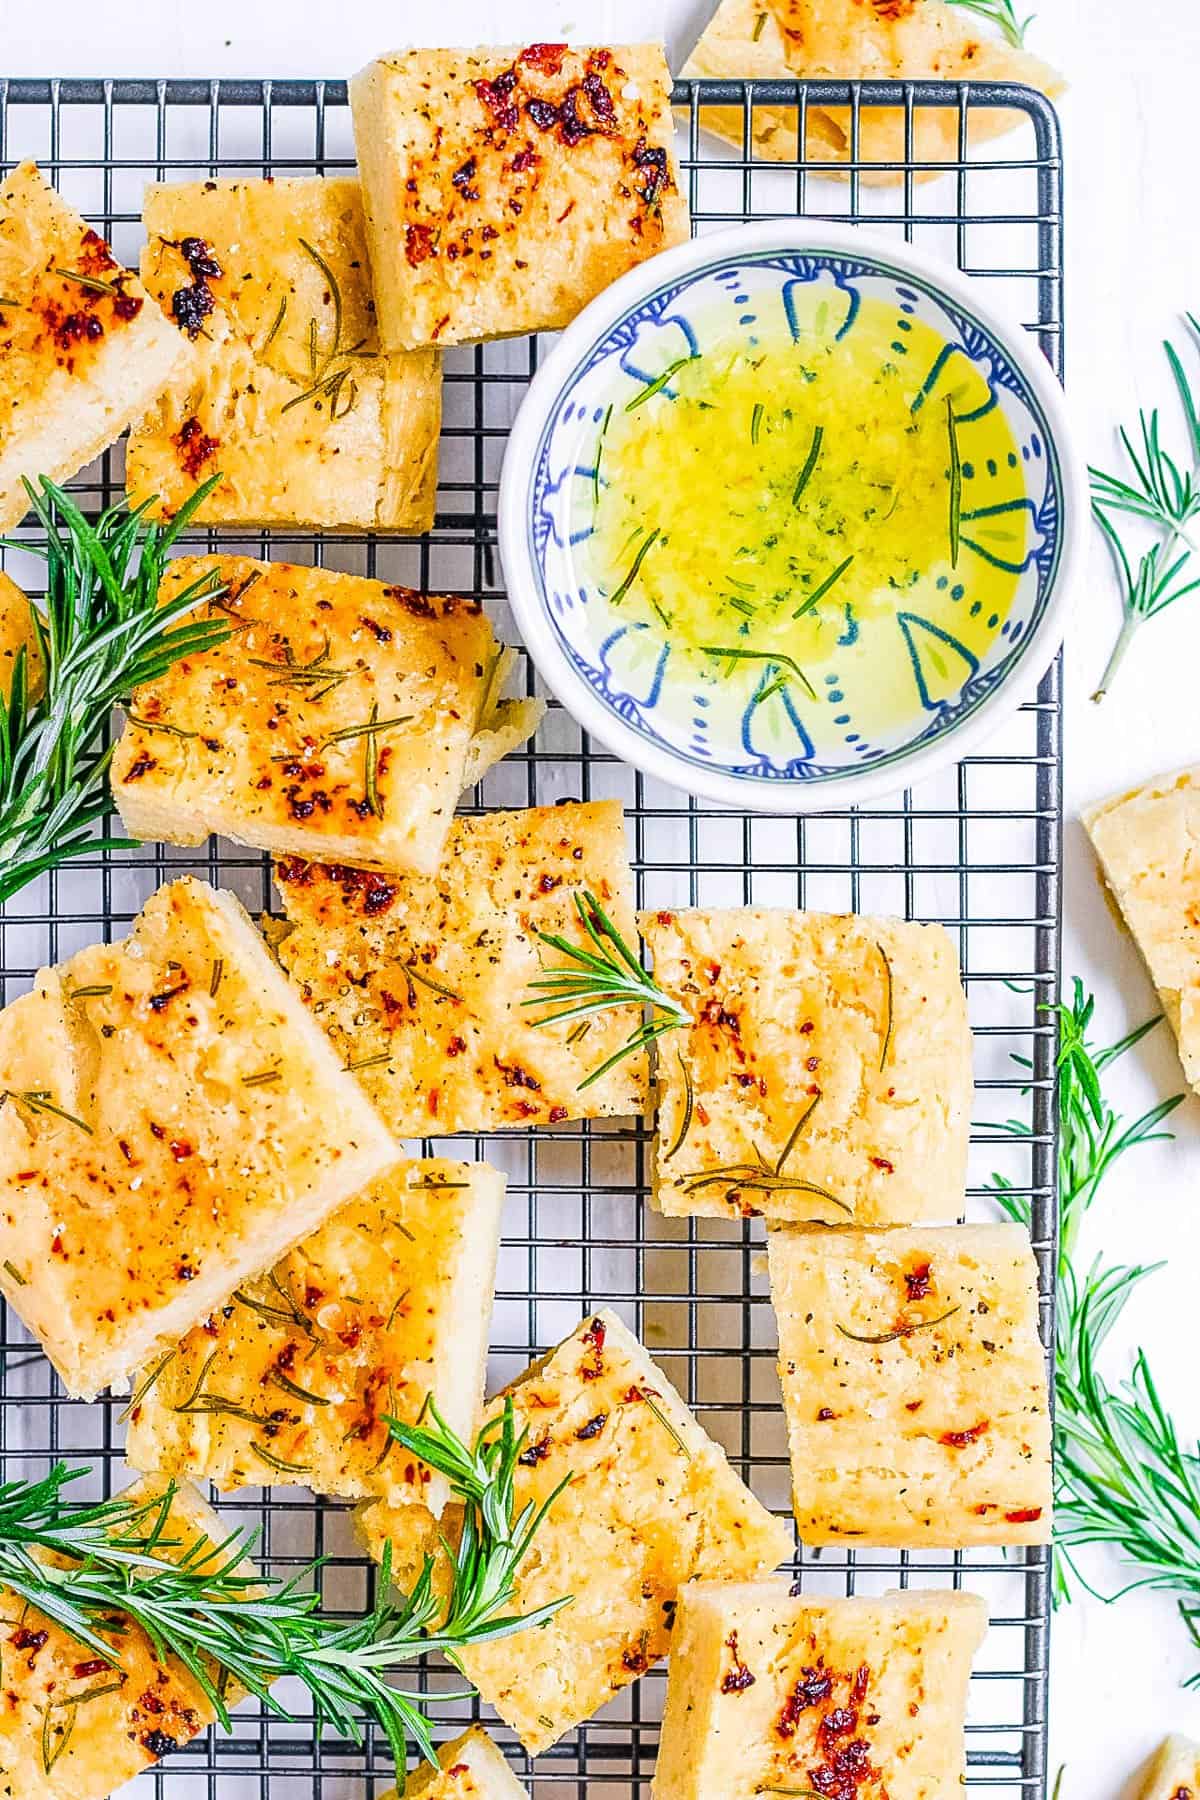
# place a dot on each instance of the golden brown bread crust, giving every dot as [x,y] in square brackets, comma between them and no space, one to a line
[172,1120]
[421,980]
[261,739]
[914,1382]
[504,188]
[772,1692]
[1173,1772]
[290,1381]
[470,1768]
[287,392]
[72,1727]
[1148,843]
[78,359]
[826,1074]
[879,40]
[652,1505]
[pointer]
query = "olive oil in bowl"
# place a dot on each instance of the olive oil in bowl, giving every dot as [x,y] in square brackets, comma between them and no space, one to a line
[825,519]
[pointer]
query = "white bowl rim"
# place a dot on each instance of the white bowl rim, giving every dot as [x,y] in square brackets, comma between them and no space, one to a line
[787,798]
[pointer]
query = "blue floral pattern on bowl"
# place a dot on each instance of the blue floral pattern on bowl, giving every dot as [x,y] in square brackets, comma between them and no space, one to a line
[752,728]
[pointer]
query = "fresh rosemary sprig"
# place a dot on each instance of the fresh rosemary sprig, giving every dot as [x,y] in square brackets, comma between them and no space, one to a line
[226,1622]
[1160,493]
[1123,1478]
[1001,13]
[595,980]
[102,633]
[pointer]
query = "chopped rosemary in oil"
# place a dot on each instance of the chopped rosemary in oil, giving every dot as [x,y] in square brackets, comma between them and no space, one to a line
[888,1008]
[37,1100]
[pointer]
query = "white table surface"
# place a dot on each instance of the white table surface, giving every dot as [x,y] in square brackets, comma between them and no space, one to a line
[1133,257]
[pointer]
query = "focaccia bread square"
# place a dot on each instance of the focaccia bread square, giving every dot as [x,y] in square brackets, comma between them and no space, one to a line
[1148,843]
[914,1382]
[880,40]
[82,349]
[826,1073]
[52,1748]
[290,1381]
[1174,1772]
[470,1768]
[287,393]
[341,718]
[773,1692]
[172,1120]
[652,1505]
[505,188]
[421,982]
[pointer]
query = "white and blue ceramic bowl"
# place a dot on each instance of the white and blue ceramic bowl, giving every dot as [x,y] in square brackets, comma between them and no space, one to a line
[618,682]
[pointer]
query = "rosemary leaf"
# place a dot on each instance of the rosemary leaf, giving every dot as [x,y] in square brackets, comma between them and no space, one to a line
[820,591]
[689,1107]
[1000,13]
[93,283]
[659,383]
[900,1331]
[735,654]
[623,586]
[810,463]
[888,1006]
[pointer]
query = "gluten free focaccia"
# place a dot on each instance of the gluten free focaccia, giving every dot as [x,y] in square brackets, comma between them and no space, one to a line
[172,1121]
[876,40]
[1174,1773]
[291,1379]
[287,392]
[79,358]
[826,1075]
[505,188]
[471,1769]
[69,1709]
[268,738]
[1148,842]
[652,1505]
[914,1382]
[770,1692]
[421,981]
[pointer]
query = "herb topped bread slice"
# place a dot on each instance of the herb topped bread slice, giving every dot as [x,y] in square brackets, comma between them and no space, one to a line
[876,40]
[172,1120]
[1174,1771]
[290,1381]
[505,188]
[288,393]
[422,981]
[76,1727]
[342,718]
[914,1382]
[826,1072]
[651,1505]
[81,351]
[470,1768]
[770,1692]
[1148,843]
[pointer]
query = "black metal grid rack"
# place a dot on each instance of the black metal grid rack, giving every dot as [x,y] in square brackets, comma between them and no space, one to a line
[977,849]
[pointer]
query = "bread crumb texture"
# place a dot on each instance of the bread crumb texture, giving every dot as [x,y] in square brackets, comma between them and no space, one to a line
[826,1072]
[914,1381]
[82,349]
[652,1504]
[422,982]
[504,188]
[773,1692]
[172,1120]
[287,392]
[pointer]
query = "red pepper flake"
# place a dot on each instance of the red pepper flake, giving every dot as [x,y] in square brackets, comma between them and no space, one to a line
[544,114]
[880,1162]
[1025,1515]
[636,1660]
[180,1149]
[738,1678]
[382,633]
[524,159]
[594,1337]
[194,447]
[455,1047]
[592,1429]
[557,1114]
[515,1076]
[126,307]
[463,180]
[916,1280]
[958,1440]
[826,1412]
[141,767]
[496,98]
[371,891]
[601,99]
[547,883]
[652,160]
[420,243]
[159,1743]
[96,1665]
[713,1013]
[861,1682]
[814,1686]
[913,1405]
[533,1454]
[24,1639]
[313,1296]
[160,1002]
[546,57]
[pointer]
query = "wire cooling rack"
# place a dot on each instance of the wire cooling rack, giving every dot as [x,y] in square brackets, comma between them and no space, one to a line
[977,849]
